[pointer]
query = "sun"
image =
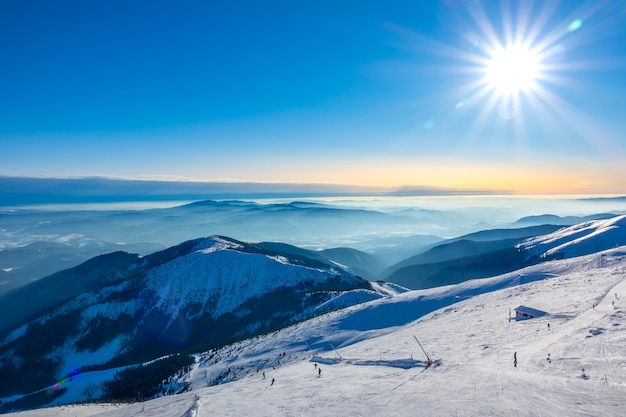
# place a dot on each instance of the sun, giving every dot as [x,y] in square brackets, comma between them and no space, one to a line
[512,69]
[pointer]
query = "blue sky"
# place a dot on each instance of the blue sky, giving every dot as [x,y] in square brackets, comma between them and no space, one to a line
[387,94]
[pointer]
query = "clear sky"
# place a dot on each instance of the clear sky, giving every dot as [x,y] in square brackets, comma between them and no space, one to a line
[520,96]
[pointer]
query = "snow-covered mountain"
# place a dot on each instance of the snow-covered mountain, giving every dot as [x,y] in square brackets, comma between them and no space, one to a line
[580,239]
[365,358]
[365,361]
[494,252]
[476,255]
[121,309]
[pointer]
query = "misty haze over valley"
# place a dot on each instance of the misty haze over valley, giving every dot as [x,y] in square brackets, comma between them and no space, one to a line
[38,240]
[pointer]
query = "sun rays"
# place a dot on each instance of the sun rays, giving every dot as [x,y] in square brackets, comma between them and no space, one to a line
[516,62]
[523,84]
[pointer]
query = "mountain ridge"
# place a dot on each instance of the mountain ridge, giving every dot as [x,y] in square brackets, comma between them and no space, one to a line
[195,295]
[463,258]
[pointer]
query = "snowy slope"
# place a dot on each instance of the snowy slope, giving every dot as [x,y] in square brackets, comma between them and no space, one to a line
[197,294]
[580,239]
[218,278]
[371,364]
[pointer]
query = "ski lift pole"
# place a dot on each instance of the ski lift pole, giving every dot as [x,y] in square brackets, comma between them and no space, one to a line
[429,361]
[336,353]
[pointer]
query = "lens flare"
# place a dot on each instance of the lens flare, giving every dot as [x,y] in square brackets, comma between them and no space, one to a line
[575,25]
[64,381]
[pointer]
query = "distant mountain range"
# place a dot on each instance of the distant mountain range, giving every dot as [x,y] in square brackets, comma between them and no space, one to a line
[562,221]
[494,252]
[37,242]
[477,255]
[41,242]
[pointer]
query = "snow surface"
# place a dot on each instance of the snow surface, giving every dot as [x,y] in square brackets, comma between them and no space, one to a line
[581,239]
[371,364]
[208,271]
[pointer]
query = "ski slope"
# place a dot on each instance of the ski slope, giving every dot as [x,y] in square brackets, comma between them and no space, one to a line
[371,364]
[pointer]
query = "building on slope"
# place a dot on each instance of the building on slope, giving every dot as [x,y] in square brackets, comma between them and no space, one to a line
[526,313]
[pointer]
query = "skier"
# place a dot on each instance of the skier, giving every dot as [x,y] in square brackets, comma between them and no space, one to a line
[549,359]
[548,326]
[319,372]
[515,359]
[272,382]
[263,374]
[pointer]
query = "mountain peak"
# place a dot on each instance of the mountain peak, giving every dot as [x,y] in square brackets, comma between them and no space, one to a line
[217,243]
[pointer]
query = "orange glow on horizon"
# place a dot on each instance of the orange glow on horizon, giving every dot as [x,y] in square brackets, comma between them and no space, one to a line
[453,175]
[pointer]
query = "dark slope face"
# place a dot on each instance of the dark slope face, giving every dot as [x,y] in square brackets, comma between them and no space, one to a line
[473,244]
[477,255]
[358,262]
[461,269]
[517,233]
[119,309]
[43,295]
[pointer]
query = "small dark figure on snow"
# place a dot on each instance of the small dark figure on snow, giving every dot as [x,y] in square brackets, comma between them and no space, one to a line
[548,326]
[263,374]
[548,359]
[515,359]
[319,372]
[272,382]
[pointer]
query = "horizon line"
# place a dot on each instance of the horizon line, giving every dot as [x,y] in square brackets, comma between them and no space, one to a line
[140,189]
[20,190]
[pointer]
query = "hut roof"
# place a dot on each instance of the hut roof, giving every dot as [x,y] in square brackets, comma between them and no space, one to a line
[530,311]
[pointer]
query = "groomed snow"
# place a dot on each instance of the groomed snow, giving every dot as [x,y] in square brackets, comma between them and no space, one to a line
[371,364]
